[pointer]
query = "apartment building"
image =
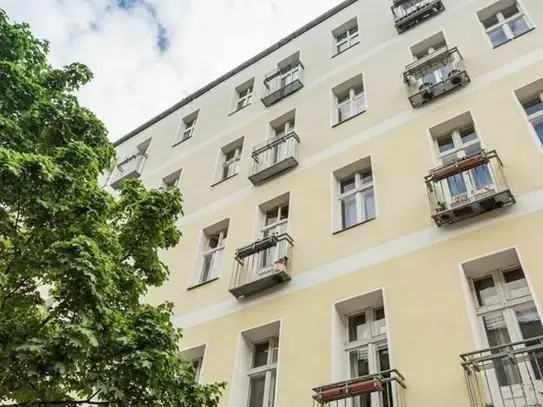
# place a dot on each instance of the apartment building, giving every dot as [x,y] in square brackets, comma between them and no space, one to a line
[363,210]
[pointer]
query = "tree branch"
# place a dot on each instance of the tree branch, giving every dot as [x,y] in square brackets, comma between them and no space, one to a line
[60,403]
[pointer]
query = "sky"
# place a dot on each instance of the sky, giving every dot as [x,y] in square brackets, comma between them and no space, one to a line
[147,55]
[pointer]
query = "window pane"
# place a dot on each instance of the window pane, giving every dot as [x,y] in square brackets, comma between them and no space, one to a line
[516,284]
[357,327]
[344,112]
[518,26]
[348,212]
[486,292]
[366,177]
[510,11]
[213,241]
[538,127]
[353,30]
[260,354]
[369,205]
[359,363]
[354,39]
[480,177]
[467,134]
[533,105]
[347,185]
[445,143]
[241,104]
[256,391]
[206,268]
[497,334]
[379,321]
[271,216]
[284,212]
[472,149]
[342,36]
[384,361]
[530,327]
[359,104]
[489,22]
[497,36]
[457,185]
[342,46]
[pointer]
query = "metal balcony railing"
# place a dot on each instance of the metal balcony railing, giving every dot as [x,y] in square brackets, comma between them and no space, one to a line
[274,156]
[282,82]
[130,167]
[408,13]
[467,187]
[506,375]
[261,265]
[383,389]
[436,74]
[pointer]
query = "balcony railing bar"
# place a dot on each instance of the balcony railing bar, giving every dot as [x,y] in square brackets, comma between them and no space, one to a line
[272,142]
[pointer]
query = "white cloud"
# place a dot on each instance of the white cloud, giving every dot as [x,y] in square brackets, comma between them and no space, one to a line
[134,78]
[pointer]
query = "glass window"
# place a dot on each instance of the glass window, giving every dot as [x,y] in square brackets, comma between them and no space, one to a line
[367,177]
[379,321]
[528,320]
[369,205]
[510,11]
[489,22]
[515,283]
[445,143]
[272,216]
[518,26]
[260,354]
[533,105]
[347,184]
[467,134]
[359,363]
[538,127]
[358,328]
[348,211]
[486,292]
[257,388]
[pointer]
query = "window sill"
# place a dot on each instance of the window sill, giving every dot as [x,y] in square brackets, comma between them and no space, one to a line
[182,141]
[353,226]
[237,110]
[192,287]
[346,120]
[345,50]
[225,179]
[512,39]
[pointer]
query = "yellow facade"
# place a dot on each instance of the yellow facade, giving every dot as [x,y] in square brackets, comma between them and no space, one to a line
[418,267]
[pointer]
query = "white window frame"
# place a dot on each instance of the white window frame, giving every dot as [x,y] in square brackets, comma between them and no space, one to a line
[359,190]
[353,98]
[459,152]
[268,371]
[506,306]
[532,118]
[352,37]
[503,23]
[216,257]
[188,128]
[245,99]
[197,364]
[232,165]
[375,342]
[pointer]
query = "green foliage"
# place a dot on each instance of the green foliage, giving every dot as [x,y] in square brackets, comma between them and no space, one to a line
[93,341]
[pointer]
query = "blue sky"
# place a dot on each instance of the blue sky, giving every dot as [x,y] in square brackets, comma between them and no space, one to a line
[148,54]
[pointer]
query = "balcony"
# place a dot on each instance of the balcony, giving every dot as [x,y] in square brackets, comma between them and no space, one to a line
[384,389]
[282,82]
[274,156]
[261,265]
[435,75]
[505,375]
[408,13]
[467,187]
[130,167]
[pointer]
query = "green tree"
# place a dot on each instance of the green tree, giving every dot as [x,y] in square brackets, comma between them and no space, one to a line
[94,341]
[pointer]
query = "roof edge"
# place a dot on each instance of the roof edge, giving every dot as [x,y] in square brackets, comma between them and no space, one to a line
[236,70]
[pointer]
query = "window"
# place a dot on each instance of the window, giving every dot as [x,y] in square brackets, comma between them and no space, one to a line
[355,194]
[187,128]
[244,94]
[345,36]
[367,351]
[507,313]
[172,180]
[434,73]
[504,21]
[210,254]
[263,373]
[275,223]
[456,144]
[229,158]
[195,356]
[350,99]
[533,106]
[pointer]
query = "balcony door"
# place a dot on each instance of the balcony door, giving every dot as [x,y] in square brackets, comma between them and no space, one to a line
[435,72]
[507,314]
[281,150]
[275,224]
[289,75]
[461,188]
